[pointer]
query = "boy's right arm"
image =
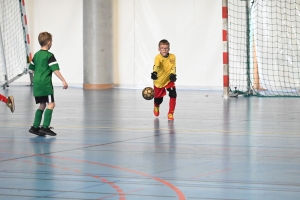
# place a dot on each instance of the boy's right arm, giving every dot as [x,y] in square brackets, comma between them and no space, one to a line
[154,75]
[155,69]
[58,74]
[31,66]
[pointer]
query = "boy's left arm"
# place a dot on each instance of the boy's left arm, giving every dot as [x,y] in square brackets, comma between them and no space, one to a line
[60,76]
[173,71]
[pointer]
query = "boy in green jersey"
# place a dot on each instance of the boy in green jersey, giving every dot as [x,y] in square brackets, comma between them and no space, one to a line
[43,64]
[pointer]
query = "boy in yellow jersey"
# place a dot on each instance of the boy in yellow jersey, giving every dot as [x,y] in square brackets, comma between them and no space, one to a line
[164,76]
[9,101]
[43,65]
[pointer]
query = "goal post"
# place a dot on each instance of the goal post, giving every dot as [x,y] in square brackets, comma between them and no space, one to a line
[264,47]
[225,49]
[14,41]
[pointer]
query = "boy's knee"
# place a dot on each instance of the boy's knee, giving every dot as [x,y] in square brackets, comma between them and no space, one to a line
[42,106]
[172,92]
[158,101]
[51,105]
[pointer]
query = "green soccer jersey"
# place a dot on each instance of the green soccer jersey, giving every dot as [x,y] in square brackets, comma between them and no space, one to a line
[43,64]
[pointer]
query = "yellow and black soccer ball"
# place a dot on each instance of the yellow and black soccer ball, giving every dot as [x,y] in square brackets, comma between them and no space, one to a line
[148,93]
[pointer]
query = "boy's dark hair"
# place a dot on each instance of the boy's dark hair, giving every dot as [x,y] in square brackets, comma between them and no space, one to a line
[164,41]
[44,38]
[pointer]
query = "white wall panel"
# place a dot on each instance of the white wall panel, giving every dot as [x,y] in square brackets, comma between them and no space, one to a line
[123,23]
[63,19]
[193,28]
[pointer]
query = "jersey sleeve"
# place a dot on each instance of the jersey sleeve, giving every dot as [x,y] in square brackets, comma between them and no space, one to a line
[156,64]
[53,63]
[173,69]
[31,65]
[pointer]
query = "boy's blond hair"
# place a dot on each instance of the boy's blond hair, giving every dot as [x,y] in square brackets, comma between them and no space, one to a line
[164,41]
[44,38]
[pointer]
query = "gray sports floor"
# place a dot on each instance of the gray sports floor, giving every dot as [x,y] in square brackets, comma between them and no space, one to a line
[110,146]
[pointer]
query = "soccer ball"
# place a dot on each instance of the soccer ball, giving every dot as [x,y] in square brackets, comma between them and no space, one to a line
[148,93]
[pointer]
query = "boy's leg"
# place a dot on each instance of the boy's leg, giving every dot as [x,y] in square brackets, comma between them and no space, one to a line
[3,98]
[157,102]
[47,117]
[37,119]
[38,115]
[159,93]
[47,120]
[172,103]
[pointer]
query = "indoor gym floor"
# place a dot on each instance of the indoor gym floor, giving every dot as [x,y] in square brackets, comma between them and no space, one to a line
[110,146]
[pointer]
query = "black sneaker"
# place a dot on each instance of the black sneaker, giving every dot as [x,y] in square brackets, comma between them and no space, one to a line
[47,131]
[36,131]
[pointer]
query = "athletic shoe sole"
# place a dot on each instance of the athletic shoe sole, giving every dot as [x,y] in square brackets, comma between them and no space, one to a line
[47,133]
[36,133]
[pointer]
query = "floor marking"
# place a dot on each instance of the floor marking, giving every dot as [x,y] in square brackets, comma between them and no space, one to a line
[120,192]
[128,192]
[180,195]
[161,129]
[211,173]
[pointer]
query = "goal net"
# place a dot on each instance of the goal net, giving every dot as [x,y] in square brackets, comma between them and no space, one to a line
[264,47]
[13,48]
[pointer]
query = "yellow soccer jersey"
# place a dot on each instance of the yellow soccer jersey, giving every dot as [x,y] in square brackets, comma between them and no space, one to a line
[164,67]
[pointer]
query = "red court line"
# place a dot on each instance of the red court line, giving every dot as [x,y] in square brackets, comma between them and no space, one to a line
[179,193]
[117,188]
[166,183]
[120,192]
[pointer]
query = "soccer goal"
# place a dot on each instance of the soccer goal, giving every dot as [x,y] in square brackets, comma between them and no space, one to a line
[263,44]
[14,41]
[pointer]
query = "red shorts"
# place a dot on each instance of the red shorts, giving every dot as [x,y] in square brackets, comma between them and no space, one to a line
[161,92]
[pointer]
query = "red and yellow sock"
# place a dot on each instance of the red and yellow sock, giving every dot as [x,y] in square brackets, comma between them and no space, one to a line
[3,98]
[172,105]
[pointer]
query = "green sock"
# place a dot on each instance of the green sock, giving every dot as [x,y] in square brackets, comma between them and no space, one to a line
[37,118]
[47,118]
